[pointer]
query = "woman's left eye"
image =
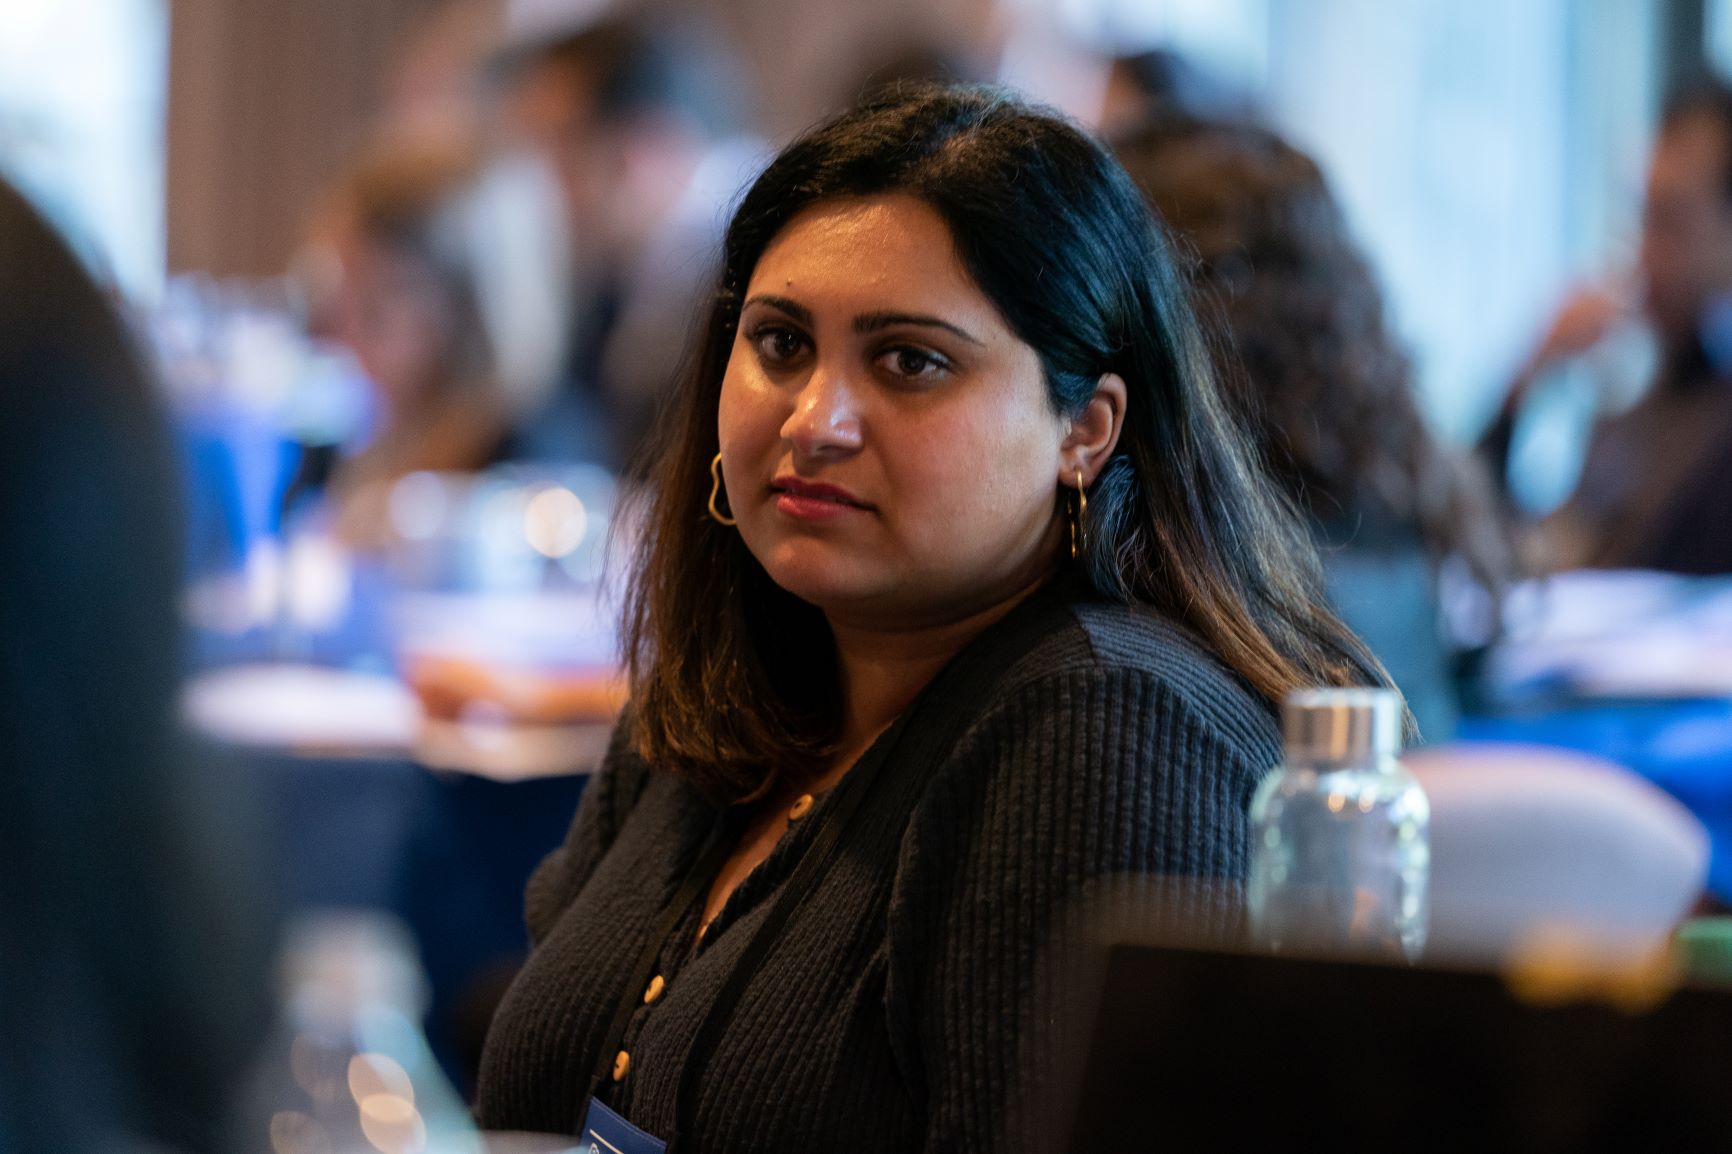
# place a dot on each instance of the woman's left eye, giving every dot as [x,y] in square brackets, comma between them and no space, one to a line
[914,363]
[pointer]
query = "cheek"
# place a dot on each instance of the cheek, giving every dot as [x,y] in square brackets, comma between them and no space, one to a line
[748,420]
[984,479]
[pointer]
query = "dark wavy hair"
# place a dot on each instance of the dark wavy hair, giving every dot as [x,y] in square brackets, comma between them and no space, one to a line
[733,679]
[1305,345]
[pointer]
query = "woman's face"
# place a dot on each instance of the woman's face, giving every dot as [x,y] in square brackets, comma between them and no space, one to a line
[887,443]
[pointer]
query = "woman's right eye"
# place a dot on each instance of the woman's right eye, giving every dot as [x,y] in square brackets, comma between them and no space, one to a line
[777,345]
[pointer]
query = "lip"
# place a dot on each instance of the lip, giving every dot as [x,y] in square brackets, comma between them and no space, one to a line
[814,500]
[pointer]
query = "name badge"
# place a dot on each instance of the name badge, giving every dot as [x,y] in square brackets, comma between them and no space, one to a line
[605,1132]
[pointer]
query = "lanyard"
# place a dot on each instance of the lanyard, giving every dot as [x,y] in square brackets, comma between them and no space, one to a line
[944,709]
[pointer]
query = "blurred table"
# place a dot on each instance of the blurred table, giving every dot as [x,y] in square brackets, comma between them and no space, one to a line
[312,711]
[366,804]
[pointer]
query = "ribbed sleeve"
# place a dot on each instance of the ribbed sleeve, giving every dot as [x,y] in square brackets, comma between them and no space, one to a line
[1077,779]
[601,810]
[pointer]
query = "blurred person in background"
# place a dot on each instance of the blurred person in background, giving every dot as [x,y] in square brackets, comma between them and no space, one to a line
[1160,85]
[640,129]
[1654,483]
[431,262]
[1305,342]
[131,958]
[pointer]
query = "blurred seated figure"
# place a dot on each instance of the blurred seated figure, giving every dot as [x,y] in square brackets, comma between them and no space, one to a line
[1652,493]
[639,130]
[430,261]
[130,976]
[1329,391]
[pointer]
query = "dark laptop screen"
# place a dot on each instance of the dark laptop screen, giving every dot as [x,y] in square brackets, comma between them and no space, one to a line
[1196,1050]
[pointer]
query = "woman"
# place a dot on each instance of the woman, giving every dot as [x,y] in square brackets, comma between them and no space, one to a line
[1330,394]
[429,262]
[957,592]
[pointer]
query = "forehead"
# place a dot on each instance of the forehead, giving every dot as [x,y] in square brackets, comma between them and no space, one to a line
[871,252]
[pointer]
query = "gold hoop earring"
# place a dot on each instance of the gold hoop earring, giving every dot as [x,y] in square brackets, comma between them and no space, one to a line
[716,491]
[1079,530]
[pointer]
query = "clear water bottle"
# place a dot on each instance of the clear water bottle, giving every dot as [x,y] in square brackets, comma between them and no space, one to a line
[349,1069]
[1341,850]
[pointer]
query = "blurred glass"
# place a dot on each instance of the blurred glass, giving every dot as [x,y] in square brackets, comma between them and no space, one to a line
[348,1068]
[251,397]
[1550,441]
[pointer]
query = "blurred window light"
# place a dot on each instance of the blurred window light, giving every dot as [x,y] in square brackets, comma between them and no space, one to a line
[1488,156]
[1228,38]
[83,90]
[1717,35]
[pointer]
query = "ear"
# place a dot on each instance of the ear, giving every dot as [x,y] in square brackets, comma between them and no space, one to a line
[1094,433]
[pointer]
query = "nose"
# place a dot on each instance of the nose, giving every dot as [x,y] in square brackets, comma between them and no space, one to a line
[825,422]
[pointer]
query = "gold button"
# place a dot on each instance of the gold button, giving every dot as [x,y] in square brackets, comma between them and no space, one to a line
[800,808]
[656,987]
[621,1066]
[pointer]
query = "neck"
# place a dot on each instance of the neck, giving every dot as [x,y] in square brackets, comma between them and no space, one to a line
[883,667]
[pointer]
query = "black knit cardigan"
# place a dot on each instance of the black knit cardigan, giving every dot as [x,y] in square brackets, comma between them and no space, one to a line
[898,1008]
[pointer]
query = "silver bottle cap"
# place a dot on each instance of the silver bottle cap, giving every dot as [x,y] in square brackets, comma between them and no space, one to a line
[1340,726]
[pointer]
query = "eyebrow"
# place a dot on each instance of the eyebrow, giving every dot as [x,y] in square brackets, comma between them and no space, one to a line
[798,311]
[866,322]
[872,322]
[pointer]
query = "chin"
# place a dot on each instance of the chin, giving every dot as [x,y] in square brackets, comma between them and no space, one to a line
[819,576]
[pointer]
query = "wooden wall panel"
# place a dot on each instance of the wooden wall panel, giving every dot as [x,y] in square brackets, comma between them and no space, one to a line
[265,99]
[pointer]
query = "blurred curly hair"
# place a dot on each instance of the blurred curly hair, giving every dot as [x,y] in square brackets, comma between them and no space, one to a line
[1303,343]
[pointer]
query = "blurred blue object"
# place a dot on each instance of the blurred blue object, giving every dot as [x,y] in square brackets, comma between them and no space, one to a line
[237,462]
